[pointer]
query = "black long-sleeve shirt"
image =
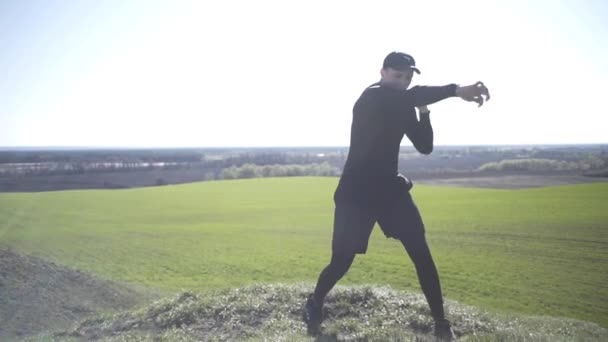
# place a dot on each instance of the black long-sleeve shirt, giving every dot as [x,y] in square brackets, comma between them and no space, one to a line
[381,117]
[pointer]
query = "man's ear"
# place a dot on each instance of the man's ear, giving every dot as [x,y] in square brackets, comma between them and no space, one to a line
[382,71]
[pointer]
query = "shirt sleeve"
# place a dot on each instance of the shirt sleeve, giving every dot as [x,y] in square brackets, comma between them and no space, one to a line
[420,133]
[426,95]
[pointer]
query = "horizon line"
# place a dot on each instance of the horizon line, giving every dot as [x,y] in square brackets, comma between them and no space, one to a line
[59,147]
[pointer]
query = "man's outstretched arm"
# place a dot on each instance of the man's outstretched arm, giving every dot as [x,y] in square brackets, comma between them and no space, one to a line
[426,95]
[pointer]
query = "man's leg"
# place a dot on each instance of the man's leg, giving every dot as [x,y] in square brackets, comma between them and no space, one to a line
[313,309]
[337,268]
[402,220]
[352,227]
[419,252]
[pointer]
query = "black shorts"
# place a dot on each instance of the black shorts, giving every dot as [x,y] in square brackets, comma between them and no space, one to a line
[398,217]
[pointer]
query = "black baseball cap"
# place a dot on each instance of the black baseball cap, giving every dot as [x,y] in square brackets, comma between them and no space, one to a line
[400,61]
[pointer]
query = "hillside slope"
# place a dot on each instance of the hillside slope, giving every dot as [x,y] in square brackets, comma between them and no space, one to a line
[37,295]
[361,313]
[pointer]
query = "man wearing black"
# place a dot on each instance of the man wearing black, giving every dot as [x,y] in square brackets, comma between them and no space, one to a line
[371,190]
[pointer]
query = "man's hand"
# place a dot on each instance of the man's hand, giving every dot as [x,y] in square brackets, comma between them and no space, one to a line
[474,93]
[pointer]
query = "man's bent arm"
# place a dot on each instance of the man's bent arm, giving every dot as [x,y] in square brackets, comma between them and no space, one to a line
[420,133]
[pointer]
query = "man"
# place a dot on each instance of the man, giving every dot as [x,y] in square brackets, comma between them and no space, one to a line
[371,190]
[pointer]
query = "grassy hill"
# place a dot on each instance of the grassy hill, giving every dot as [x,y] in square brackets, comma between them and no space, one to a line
[272,313]
[37,295]
[540,251]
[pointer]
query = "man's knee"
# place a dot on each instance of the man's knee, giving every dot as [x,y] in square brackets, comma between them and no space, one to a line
[341,261]
[416,245]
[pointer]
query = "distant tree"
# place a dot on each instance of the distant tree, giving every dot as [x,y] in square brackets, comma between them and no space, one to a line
[209,176]
[267,170]
[248,171]
[230,173]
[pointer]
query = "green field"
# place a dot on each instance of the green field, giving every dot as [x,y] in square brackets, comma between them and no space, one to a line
[541,251]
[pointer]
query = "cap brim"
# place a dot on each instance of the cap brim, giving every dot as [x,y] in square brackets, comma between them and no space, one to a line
[408,67]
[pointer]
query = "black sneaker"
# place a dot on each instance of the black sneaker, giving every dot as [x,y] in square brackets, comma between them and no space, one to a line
[443,331]
[313,315]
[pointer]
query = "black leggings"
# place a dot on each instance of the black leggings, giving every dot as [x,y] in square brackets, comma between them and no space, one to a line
[419,252]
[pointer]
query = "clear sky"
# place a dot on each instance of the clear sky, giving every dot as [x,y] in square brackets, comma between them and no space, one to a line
[287,73]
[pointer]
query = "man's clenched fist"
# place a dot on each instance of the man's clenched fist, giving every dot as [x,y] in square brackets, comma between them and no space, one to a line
[474,93]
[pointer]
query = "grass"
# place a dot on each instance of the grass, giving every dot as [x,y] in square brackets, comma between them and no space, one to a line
[540,251]
[38,296]
[272,313]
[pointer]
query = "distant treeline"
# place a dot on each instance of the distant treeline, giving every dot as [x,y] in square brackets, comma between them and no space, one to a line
[538,164]
[290,170]
[229,163]
[100,155]
[211,163]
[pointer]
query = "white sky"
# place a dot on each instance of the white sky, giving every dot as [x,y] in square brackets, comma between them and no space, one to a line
[287,73]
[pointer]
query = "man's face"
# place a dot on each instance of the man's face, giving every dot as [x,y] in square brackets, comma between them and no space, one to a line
[399,79]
